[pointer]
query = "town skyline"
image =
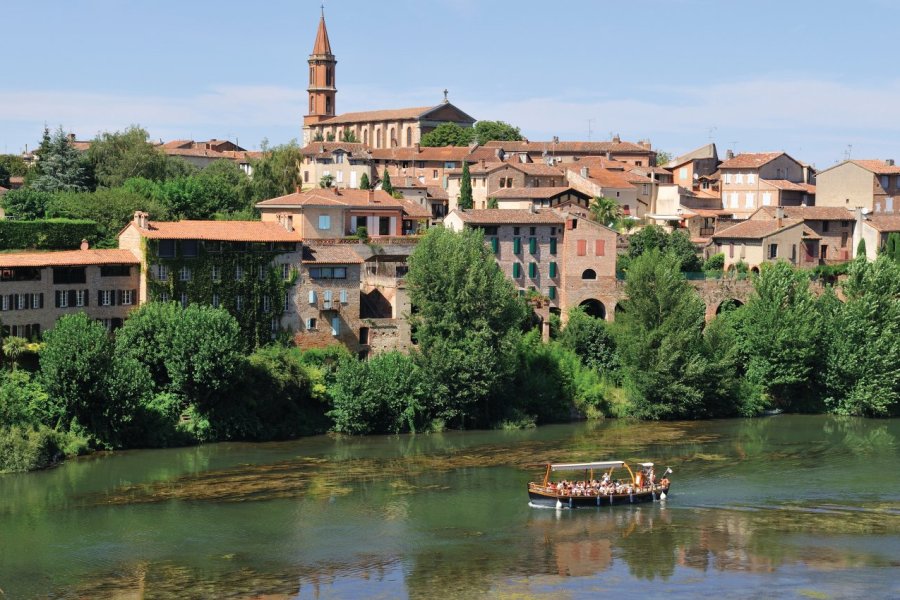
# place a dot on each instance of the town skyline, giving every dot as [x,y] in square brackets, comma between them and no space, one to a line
[744,100]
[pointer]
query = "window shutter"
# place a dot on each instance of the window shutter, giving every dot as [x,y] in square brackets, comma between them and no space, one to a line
[532,245]
[599,247]
[553,245]
[343,296]
[121,298]
[532,269]
[553,269]
[134,299]
[41,298]
[495,245]
[551,293]
[71,297]
[582,247]
[56,294]
[517,270]
[312,296]
[517,245]
[99,298]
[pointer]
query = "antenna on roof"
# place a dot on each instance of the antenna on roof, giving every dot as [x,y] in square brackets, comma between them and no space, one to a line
[734,146]
[848,151]
[589,128]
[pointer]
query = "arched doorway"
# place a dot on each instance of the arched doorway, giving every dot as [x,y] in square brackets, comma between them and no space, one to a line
[727,305]
[589,274]
[594,308]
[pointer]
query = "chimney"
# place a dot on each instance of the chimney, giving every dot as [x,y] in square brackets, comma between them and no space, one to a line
[482,163]
[889,162]
[408,181]
[608,155]
[299,187]
[418,147]
[646,144]
[71,137]
[285,220]
[370,197]
[85,245]
[585,172]
[616,139]
[141,219]
[779,216]
[729,154]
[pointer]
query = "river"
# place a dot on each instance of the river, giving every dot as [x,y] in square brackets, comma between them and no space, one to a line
[785,506]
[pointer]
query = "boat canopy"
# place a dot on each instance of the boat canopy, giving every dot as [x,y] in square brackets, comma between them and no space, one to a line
[609,464]
[647,465]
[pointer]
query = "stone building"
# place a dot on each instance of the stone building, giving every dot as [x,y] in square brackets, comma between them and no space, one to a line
[345,163]
[752,180]
[755,241]
[391,128]
[869,184]
[37,288]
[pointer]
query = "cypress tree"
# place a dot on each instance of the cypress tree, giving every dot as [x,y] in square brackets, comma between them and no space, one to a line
[364,182]
[386,182]
[861,248]
[465,188]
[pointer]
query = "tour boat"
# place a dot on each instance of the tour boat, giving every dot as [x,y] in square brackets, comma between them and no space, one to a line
[548,493]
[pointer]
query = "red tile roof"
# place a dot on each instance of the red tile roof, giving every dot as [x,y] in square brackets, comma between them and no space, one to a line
[571,147]
[812,213]
[877,166]
[884,223]
[395,114]
[437,192]
[322,148]
[537,193]
[791,186]
[226,231]
[68,258]
[750,160]
[607,178]
[759,229]
[425,153]
[414,210]
[334,197]
[504,216]
[330,254]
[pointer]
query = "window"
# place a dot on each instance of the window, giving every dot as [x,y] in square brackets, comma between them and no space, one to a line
[553,269]
[727,177]
[115,271]
[845,223]
[773,250]
[551,292]
[313,297]
[885,181]
[384,225]
[326,299]
[739,178]
[449,165]
[589,274]
[599,247]
[328,273]
[793,252]
[69,275]
[335,326]
[213,246]
[215,273]
[21,301]
[751,178]
[553,245]
[532,270]
[581,248]
[184,299]
[532,230]
[267,303]
[734,199]
[517,270]
[106,297]
[184,274]
[239,302]
[190,248]
[127,297]
[164,296]
[767,199]
[682,173]
[532,244]
[516,230]
[273,326]
[750,199]
[238,272]
[489,231]
[324,222]
[502,182]
[343,296]
[824,226]
[285,271]
[434,174]
[215,301]
[166,249]
[37,301]
[62,299]
[4,301]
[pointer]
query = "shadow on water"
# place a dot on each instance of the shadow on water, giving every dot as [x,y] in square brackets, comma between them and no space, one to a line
[447,515]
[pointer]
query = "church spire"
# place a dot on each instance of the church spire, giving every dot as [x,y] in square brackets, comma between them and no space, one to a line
[323,45]
[321,88]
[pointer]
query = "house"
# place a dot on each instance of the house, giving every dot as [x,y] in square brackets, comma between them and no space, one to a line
[539,197]
[751,180]
[564,258]
[344,162]
[834,226]
[335,213]
[613,184]
[755,241]
[687,169]
[428,166]
[868,184]
[875,229]
[489,177]
[37,288]
[378,129]
[431,198]
[554,152]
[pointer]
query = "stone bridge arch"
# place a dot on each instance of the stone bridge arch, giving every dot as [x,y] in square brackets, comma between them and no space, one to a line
[715,292]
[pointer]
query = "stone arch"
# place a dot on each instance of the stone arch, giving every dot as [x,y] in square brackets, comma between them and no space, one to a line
[589,274]
[728,305]
[327,105]
[755,270]
[392,137]
[594,308]
[378,137]
[366,136]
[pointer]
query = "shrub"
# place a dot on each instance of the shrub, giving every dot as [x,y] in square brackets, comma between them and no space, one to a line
[47,234]
[716,262]
[26,448]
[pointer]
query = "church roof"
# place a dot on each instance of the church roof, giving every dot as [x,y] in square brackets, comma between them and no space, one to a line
[322,46]
[398,114]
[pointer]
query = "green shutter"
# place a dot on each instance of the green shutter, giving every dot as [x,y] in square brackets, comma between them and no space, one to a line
[517,270]
[532,245]
[495,245]
[517,245]
[553,245]
[551,293]
[553,269]
[532,270]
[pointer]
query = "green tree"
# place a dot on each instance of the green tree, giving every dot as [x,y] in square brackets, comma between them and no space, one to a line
[12,165]
[75,362]
[665,359]
[861,247]
[466,320]
[13,349]
[349,137]
[110,208]
[591,339]
[605,210]
[26,203]
[325,181]
[715,262]
[663,158]
[465,188]
[487,131]
[124,154]
[62,167]
[364,182]
[655,237]
[892,246]
[220,188]
[448,134]
[492,203]
[862,374]
[277,173]
[386,182]
[780,331]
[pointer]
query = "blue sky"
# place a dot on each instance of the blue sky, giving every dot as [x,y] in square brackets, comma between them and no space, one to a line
[816,79]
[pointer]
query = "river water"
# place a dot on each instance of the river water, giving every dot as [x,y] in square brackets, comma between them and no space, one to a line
[786,506]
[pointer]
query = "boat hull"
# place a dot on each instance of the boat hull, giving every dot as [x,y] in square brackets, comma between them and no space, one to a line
[538,498]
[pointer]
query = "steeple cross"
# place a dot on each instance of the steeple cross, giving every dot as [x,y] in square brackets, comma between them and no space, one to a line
[445,94]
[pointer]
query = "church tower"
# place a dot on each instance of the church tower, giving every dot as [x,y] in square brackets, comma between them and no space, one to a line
[321,79]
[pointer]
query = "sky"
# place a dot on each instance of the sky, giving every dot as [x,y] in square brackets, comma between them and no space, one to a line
[817,79]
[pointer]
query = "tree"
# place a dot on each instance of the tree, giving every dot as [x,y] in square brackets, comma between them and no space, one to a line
[465,188]
[75,361]
[4,175]
[364,182]
[487,131]
[386,182]
[111,208]
[12,165]
[13,349]
[655,237]
[349,137]
[492,203]
[665,359]
[892,247]
[591,339]
[466,320]
[325,181]
[861,247]
[26,203]
[62,167]
[780,330]
[448,134]
[277,173]
[222,187]
[124,154]
[605,210]
[862,374]
[663,158]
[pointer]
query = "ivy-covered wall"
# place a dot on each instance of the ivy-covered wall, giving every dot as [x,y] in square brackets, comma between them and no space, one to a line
[214,271]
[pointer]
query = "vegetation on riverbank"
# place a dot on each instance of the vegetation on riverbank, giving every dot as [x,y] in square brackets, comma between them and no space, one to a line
[175,376]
